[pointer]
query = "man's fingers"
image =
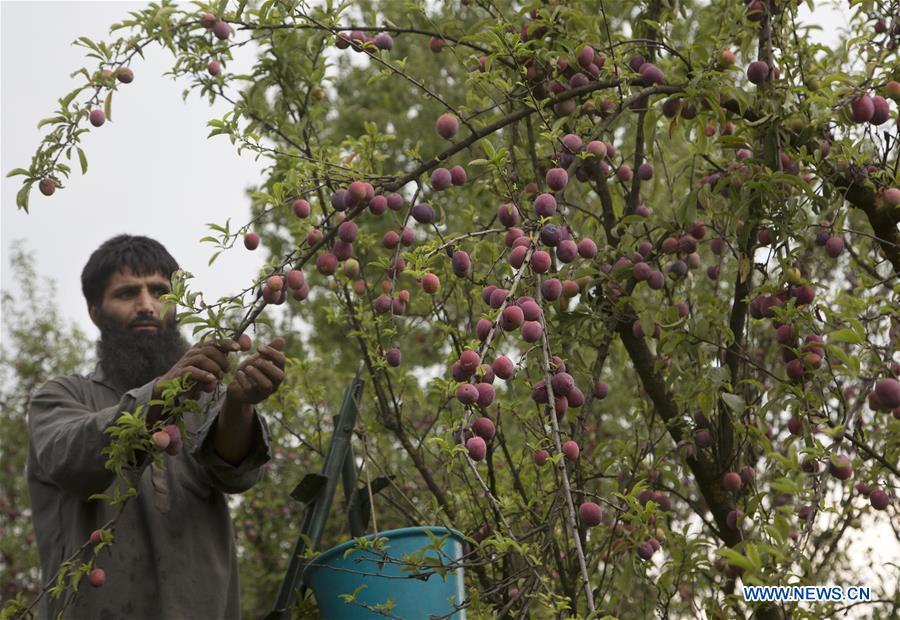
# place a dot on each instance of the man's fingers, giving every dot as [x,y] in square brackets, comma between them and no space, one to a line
[250,360]
[271,370]
[206,357]
[219,357]
[241,377]
[260,380]
[208,365]
[274,353]
[260,373]
[199,375]
[226,345]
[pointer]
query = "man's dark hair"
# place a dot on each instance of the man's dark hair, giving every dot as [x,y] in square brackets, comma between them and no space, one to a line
[142,255]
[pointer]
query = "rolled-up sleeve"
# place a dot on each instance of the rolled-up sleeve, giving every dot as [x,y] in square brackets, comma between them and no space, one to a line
[222,475]
[68,437]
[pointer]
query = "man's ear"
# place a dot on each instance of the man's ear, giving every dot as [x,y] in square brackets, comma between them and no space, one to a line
[92,310]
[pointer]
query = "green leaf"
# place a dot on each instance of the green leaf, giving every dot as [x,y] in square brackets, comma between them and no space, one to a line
[785,485]
[845,335]
[735,559]
[842,78]
[82,159]
[85,42]
[735,403]
[65,101]
[52,119]
[835,351]
[107,105]
[22,197]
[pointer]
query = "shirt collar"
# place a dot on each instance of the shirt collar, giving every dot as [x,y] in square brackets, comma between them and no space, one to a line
[98,376]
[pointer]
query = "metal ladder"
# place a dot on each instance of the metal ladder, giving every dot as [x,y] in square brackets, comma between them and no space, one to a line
[317,492]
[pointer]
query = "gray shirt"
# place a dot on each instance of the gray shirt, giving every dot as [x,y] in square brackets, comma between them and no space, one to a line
[174,553]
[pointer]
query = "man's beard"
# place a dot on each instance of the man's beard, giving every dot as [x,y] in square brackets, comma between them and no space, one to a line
[130,358]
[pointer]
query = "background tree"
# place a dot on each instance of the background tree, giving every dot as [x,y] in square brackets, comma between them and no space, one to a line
[655,245]
[40,346]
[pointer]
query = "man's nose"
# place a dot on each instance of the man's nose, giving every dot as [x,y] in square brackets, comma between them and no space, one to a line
[147,303]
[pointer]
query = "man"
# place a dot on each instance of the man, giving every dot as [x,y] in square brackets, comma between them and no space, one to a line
[173,555]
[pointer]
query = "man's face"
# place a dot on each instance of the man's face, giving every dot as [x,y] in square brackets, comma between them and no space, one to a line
[135,344]
[132,302]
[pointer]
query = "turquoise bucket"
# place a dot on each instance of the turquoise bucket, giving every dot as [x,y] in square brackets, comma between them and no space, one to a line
[382,579]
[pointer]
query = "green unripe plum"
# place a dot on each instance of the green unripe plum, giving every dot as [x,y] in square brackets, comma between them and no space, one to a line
[351,268]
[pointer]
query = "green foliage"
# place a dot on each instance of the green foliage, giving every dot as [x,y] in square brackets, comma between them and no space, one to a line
[38,345]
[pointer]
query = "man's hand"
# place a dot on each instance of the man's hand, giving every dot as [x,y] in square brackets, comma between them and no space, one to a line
[204,363]
[258,376]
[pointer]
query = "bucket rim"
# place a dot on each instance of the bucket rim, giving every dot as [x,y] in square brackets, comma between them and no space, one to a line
[320,560]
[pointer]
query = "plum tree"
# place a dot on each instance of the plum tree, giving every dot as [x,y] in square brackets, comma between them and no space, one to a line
[728,180]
